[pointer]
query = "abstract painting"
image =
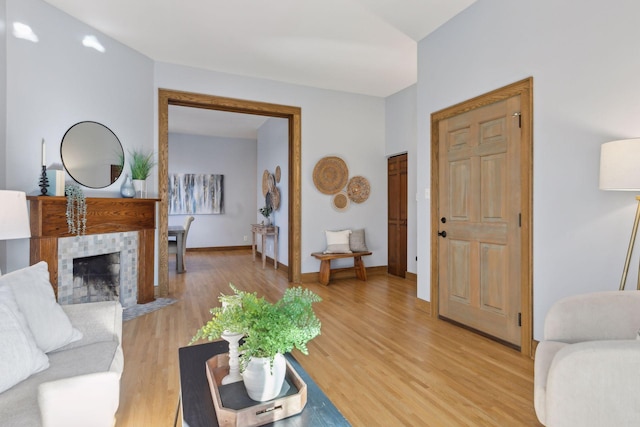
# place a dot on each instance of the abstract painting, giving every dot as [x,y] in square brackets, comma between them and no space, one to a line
[191,193]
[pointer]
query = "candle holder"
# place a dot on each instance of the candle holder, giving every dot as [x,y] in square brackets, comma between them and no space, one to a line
[44,181]
[234,359]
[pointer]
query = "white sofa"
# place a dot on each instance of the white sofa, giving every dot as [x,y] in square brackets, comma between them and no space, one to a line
[81,386]
[587,368]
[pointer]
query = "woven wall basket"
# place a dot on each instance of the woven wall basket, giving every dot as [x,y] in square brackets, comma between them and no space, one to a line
[330,175]
[265,182]
[340,201]
[358,189]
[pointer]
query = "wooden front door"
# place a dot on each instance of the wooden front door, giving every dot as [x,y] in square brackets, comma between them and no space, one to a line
[479,217]
[397,222]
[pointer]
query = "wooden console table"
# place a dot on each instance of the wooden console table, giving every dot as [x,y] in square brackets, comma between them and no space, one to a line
[264,231]
[104,215]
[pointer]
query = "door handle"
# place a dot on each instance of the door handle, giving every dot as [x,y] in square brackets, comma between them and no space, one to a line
[442,233]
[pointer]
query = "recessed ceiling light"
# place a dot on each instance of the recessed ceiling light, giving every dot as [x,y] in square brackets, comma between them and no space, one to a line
[23,31]
[93,43]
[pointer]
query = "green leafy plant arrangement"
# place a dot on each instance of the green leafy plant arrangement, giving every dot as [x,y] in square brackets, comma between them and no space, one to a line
[76,209]
[266,211]
[141,164]
[268,328]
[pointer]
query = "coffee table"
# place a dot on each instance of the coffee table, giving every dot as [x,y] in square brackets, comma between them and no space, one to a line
[197,406]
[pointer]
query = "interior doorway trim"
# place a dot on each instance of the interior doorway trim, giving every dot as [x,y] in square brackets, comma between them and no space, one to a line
[524,88]
[168,97]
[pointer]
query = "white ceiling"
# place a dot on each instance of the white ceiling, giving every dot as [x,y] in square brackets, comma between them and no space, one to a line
[199,121]
[360,46]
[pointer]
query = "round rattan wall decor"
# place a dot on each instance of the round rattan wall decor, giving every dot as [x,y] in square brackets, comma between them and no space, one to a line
[265,182]
[330,175]
[275,198]
[278,173]
[340,201]
[358,189]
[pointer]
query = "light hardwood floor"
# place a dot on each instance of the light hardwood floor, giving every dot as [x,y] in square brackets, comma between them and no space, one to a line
[381,358]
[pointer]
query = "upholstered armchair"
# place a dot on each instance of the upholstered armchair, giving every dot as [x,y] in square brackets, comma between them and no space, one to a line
[587,368]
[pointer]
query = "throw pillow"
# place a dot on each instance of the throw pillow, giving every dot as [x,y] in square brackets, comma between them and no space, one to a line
[19,355]
[337,242]
[357,242]
[34,295]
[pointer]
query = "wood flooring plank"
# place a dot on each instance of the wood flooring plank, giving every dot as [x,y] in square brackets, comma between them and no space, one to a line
[382,359]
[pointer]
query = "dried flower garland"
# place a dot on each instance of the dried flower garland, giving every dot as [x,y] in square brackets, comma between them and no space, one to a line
[76,209]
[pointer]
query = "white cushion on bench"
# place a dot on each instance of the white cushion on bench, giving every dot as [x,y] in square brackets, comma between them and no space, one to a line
[338,242]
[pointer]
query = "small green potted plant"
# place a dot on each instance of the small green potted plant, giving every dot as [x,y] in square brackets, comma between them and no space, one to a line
[266,212]
[270,331]
[140,163]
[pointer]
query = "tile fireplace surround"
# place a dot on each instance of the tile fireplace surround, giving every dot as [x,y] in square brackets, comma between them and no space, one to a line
[70,248]
[113,225]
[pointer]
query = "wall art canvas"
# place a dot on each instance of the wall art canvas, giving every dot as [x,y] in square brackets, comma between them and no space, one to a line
[191,193]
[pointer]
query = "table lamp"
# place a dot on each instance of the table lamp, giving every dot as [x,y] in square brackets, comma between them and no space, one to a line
[14,219]
[620,170]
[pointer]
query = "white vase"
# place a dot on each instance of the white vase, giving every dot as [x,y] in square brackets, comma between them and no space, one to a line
[261,381]
[141,188]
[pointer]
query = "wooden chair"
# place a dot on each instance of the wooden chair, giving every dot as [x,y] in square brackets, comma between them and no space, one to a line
[173,245]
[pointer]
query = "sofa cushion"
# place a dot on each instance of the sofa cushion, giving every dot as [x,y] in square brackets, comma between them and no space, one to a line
[32,290]
[545,352]
[337,242]
[19,355]
[19,406]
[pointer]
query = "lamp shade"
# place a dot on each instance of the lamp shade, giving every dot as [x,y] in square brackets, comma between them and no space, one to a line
[14,219]
[620,165]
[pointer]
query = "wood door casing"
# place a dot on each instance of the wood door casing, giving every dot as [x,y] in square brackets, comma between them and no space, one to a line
[293,114]
[524,88]
[479,198]
[397,215]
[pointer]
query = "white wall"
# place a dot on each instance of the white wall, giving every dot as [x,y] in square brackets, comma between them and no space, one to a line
[584,59]
[333,123]
[401,137]
[3,117]
[235,158]
[273,150]
[56,83]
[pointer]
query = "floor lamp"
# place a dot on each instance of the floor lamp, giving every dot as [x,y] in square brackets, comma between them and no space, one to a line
[14,218]
[620,170]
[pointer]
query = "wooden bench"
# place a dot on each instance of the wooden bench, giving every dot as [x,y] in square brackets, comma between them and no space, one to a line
[325,264]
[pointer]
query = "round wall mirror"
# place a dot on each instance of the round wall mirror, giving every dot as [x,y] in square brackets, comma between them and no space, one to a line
[92,154]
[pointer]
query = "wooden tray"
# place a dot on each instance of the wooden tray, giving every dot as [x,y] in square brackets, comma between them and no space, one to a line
[240,410]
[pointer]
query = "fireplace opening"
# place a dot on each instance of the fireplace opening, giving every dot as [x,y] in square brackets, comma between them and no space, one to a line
[96,278]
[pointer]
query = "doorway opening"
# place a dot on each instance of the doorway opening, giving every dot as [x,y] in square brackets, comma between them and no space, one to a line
[186,99]
[524,90]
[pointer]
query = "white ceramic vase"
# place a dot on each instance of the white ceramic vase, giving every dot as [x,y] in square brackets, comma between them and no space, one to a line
[262,382]
[141,188]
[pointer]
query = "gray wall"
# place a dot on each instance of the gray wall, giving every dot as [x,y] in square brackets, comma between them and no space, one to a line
[401,137]
[584,59]
[333,123]
[3,117]
[235,158]
[273,150]
[56,83]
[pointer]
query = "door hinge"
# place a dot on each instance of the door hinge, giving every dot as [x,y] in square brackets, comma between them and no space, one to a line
[519,319]
[520,220]
[519,116]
